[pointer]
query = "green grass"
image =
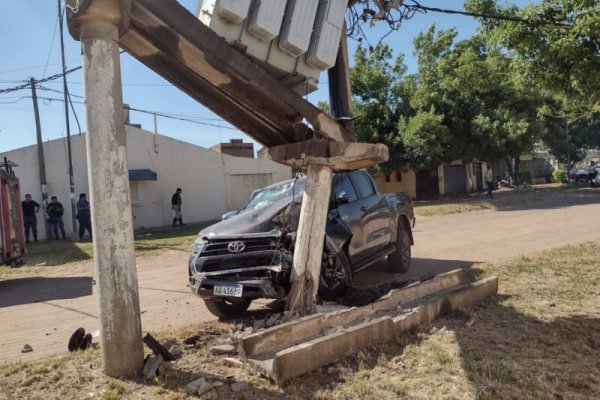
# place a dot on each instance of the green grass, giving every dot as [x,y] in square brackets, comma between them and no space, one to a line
[51,253]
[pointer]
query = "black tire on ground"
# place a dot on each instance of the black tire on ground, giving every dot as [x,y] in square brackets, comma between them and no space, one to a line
[76,338]
[582,179]
[227,308]
[336,275]
[399,261]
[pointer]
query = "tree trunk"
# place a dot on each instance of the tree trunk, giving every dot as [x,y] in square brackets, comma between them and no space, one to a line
[509,167]
[516,170]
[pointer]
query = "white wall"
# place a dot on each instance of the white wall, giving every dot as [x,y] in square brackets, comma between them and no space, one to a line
[201,173]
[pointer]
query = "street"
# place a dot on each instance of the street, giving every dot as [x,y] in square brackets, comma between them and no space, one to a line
[44,310]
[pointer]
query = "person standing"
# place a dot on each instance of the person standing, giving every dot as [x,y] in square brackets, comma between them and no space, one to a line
[176,206]
[55,211]
[30,208]
[489,181]
[84,216]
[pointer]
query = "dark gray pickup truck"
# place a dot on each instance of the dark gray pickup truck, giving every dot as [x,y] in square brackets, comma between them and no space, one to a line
[249,254]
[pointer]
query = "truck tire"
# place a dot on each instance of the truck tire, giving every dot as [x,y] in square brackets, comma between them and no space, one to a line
[336,275]
[226,308]
[399,261]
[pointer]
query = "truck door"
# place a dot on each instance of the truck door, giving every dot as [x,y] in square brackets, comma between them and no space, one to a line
[349,212]
[373,211]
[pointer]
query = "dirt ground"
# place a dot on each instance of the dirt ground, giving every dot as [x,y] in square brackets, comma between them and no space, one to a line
[44,309]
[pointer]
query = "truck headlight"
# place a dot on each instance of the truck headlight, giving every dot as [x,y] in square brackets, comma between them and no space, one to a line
[198,245]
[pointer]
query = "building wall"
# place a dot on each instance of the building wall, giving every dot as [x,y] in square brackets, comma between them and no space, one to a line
[204,176]
[408,184]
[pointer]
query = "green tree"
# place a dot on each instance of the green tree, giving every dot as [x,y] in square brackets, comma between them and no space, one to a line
[381,93]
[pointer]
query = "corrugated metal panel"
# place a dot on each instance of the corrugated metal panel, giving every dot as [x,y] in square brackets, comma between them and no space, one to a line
[233,11]
[297,26]
[266,18]
[326,36]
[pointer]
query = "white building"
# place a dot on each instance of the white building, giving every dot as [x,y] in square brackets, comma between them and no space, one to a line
[212,182]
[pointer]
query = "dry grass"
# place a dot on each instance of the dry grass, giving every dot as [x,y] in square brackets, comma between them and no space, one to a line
[538,339]
[508,199]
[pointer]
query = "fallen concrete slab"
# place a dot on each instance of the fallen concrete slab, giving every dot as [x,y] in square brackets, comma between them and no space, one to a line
[297,347]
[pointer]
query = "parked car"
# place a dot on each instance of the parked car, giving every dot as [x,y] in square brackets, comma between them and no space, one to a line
[594,175]
[249,254]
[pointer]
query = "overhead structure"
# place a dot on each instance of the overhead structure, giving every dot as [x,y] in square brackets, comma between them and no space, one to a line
[260,94]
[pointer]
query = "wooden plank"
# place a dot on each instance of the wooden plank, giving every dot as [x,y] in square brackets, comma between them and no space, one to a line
[281,336]
[307,356]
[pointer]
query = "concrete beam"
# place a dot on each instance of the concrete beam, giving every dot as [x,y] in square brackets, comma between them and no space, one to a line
[339,156]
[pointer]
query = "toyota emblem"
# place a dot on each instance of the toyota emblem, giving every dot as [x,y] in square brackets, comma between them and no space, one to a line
[236,247]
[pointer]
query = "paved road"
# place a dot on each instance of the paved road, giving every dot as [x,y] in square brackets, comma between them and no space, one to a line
[44,310]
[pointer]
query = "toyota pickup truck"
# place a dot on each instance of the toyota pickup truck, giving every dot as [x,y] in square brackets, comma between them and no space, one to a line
[248,255]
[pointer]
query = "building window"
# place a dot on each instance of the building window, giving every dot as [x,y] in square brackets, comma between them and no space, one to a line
[399,175]
[135,188]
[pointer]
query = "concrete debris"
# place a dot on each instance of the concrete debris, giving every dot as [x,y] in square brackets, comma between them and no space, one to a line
[239,386]
[211,395]
[27,349]
[223,349]
[330,307]
[234,362]
[164,367]
[193,386]
[175,351]
[218,384]
[205,388]
[470,323]
[258,324]
[151,365]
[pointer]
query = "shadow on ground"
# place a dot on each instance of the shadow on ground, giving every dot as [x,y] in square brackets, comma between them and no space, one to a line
[39,289]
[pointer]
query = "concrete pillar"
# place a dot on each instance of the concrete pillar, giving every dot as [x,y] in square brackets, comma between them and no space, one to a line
[308,253]
[112,224]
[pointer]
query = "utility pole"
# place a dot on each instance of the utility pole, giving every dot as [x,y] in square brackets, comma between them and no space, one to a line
[40,149]
[97,26]
[66,94]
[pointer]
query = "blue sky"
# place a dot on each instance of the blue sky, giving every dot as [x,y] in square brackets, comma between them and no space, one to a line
[30,47]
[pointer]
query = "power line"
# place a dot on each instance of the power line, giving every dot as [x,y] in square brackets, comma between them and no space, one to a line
[179,118]
[51,46]
[50,78]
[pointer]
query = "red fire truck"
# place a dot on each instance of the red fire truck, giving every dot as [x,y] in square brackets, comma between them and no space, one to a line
[12,237]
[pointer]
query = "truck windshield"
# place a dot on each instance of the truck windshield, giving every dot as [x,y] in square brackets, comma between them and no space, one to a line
[271,194]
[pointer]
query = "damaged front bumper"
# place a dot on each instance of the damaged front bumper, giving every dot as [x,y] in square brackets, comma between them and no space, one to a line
[255,267]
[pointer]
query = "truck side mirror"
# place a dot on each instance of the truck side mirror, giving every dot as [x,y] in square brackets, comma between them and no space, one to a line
[229,214]
[342,198]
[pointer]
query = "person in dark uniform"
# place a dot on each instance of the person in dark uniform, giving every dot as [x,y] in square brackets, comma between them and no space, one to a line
[30,208]
[176,206]
[55,211]
[84,216]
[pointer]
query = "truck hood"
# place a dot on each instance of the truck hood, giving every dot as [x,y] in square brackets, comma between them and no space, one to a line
[254,221]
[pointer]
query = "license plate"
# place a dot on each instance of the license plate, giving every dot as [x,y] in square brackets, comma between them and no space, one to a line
[228,290]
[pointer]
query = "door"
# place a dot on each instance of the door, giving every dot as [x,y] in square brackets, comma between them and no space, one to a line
[427,184]
[374,214]
[454,179]
[478,176]
[349,213]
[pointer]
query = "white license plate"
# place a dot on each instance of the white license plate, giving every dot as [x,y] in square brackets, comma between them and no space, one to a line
[228,290]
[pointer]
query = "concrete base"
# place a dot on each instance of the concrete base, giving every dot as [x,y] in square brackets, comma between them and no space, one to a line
[295,348]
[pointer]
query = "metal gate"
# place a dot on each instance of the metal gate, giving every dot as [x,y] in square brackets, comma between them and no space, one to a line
[454,179]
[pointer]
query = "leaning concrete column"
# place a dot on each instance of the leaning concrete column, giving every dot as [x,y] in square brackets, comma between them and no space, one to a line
[308,253]
[112,225]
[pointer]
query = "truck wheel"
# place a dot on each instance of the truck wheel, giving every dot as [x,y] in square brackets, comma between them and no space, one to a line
[336,275]
[226,308]
[399,261]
